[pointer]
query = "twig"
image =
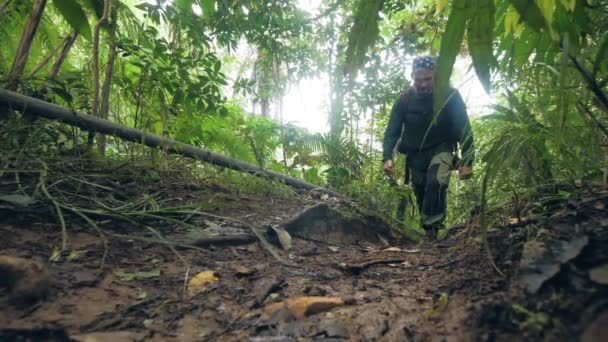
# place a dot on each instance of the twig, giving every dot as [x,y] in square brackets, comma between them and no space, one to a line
[259,235]
[64,231]
[591,82]
[102,236]
[483,227]
[275,284]
[185,282]
[589,113]
[358,268]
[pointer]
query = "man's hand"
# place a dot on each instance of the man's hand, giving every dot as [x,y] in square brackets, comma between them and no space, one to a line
[464,172]
[388,167]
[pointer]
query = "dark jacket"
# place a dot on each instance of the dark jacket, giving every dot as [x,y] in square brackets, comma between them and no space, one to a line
[413,120]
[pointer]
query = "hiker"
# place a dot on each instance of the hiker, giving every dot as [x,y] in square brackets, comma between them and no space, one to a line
[430,144]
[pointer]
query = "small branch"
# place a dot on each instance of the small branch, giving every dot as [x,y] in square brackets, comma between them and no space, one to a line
[102,21]
[45,61]
[358,268]
[589,113]
[275,284]
[591,82]
[69,42]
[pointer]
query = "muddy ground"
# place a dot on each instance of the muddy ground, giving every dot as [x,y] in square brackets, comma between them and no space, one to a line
[445,291]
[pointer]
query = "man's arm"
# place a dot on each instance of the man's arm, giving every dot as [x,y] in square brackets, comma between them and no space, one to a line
[393,130]
[462,129]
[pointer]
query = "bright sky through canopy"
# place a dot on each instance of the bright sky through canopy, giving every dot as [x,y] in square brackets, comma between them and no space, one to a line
[307,103]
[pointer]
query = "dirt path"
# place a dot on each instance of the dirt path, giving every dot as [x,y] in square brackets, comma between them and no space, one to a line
[430,292]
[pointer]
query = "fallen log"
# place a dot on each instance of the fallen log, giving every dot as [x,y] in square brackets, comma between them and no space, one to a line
[32,106]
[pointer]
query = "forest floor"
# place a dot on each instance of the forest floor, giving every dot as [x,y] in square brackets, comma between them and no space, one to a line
[329,286]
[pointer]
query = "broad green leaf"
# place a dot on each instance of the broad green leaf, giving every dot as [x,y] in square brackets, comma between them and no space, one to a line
[512,23]
[185,5]
[72,13]
[480,35]
[602,55]
[208,8]
[547,9]
[450,47]
[569,4]
[96,6]
[530,13]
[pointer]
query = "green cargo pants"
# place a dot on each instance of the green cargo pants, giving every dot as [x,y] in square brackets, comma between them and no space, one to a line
[430,172]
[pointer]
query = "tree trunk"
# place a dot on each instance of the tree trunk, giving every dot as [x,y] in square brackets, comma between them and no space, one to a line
[23,51]
[67,46]
[107,83]
[46,60]
[51,111]
[102,21]
[4,7]
[371,142]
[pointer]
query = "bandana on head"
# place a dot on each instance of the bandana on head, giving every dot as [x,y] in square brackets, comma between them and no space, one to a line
[424,63]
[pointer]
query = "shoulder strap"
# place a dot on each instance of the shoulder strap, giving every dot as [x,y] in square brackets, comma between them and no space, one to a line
[404,97]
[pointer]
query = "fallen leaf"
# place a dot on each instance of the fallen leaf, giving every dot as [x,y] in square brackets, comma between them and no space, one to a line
[244,271]
[74,255]
[599,274]
[284,238]
[599,205]
[199,282]
[56,255]
[439,307]
[142,295]
[333,248]
[541,261]
[301,307]
[392,249]
[130,276]
[148,323]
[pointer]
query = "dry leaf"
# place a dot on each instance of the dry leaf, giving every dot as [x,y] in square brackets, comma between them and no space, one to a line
[199,282]
[301,307]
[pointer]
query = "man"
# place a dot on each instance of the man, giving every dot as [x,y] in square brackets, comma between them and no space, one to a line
[429,142]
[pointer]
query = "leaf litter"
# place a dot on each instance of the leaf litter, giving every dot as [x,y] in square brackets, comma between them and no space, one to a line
[140,288]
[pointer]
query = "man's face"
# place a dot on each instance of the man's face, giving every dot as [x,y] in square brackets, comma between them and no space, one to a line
[423,81]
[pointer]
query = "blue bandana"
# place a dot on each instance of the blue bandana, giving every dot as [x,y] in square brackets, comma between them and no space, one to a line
[423,63]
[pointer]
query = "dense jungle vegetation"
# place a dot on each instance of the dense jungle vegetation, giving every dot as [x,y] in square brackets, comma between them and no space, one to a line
[214,74]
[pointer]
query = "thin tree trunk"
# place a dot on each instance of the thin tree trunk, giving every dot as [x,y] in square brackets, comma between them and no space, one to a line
[46,60]
[4,7]
[284,150]
[107,83]
[67,46]
[102,21]
[23,51]
[371,141]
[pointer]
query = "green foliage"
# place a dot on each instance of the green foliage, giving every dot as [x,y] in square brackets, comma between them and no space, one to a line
[451,43]
[73,13]
[480,36]
[363,34]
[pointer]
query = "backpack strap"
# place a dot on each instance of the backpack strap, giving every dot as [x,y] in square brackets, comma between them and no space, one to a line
[404,97]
